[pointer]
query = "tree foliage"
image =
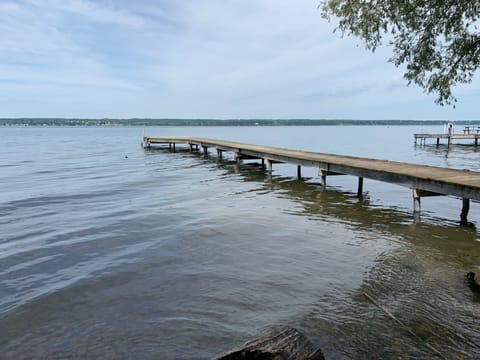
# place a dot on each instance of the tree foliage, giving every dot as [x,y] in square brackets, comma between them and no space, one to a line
[437,40]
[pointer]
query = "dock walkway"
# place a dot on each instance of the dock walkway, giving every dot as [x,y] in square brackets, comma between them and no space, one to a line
[422,179]
[469,133]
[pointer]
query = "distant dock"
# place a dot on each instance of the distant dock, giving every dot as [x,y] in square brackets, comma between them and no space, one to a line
[469,133]
[422,179]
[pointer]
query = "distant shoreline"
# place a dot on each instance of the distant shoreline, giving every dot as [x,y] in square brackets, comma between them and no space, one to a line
[218,122]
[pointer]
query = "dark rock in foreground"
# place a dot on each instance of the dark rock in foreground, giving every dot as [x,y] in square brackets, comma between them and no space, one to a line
[277,343]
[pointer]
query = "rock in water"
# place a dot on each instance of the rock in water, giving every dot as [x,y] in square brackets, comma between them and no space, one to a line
[277,343]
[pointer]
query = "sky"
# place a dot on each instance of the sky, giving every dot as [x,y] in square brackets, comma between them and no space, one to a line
[222,59]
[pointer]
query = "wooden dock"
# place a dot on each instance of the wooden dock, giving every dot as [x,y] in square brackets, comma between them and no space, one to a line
[422,179]
[469,133]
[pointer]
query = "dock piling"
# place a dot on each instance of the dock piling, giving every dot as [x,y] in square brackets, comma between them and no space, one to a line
[269,166]
[360,187]
[323,175]
[323,180]
[419,193]
[299,172]
[465,209]
[416,201]
[237,158]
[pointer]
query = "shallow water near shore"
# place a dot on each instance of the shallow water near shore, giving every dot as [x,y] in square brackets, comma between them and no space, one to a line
[108,250]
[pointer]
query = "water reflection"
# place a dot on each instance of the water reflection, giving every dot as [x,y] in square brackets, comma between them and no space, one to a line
[460,156]
[419,276]
[332,203]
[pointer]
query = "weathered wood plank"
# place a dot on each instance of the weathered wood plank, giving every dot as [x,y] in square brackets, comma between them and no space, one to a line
[279,342]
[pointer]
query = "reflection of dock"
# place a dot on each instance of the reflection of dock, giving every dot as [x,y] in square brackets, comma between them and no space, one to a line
[469,133]
[424,180]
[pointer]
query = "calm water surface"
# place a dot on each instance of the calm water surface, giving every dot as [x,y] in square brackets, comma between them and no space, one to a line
[111,251]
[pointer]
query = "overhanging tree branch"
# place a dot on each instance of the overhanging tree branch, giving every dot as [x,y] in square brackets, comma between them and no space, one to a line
[438,41]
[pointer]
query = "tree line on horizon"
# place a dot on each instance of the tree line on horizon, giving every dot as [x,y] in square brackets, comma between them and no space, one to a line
[216,122]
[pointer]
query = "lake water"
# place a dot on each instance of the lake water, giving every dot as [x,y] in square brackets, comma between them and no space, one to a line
[111,251]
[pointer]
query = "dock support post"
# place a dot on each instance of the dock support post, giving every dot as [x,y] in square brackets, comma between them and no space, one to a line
[269,166]
[299,172]
[465,209]
[191,147]
[170,146]
[416,201]
[323,180]
[219,154]
[237,158]
[205,150]
[323,176]
[476,141]
[173,147]
[360,187]
[438,142]
[263,163]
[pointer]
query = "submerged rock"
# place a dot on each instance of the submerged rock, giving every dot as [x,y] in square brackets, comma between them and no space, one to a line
[277,343]
[472,282]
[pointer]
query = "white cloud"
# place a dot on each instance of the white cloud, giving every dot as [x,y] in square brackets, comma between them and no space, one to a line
[91,10]
[234,58]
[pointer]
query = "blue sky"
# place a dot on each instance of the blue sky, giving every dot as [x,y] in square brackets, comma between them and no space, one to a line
[199,59]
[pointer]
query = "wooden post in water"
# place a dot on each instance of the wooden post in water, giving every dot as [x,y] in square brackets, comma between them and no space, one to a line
[323,180]
[465,209]
[360,187]
[419,193]
[438,142]
[323,176]
[220,154]
[269,166]
[237,158]
[299,172]
[416,201]
[191,147]
[263,163]
[205,150]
